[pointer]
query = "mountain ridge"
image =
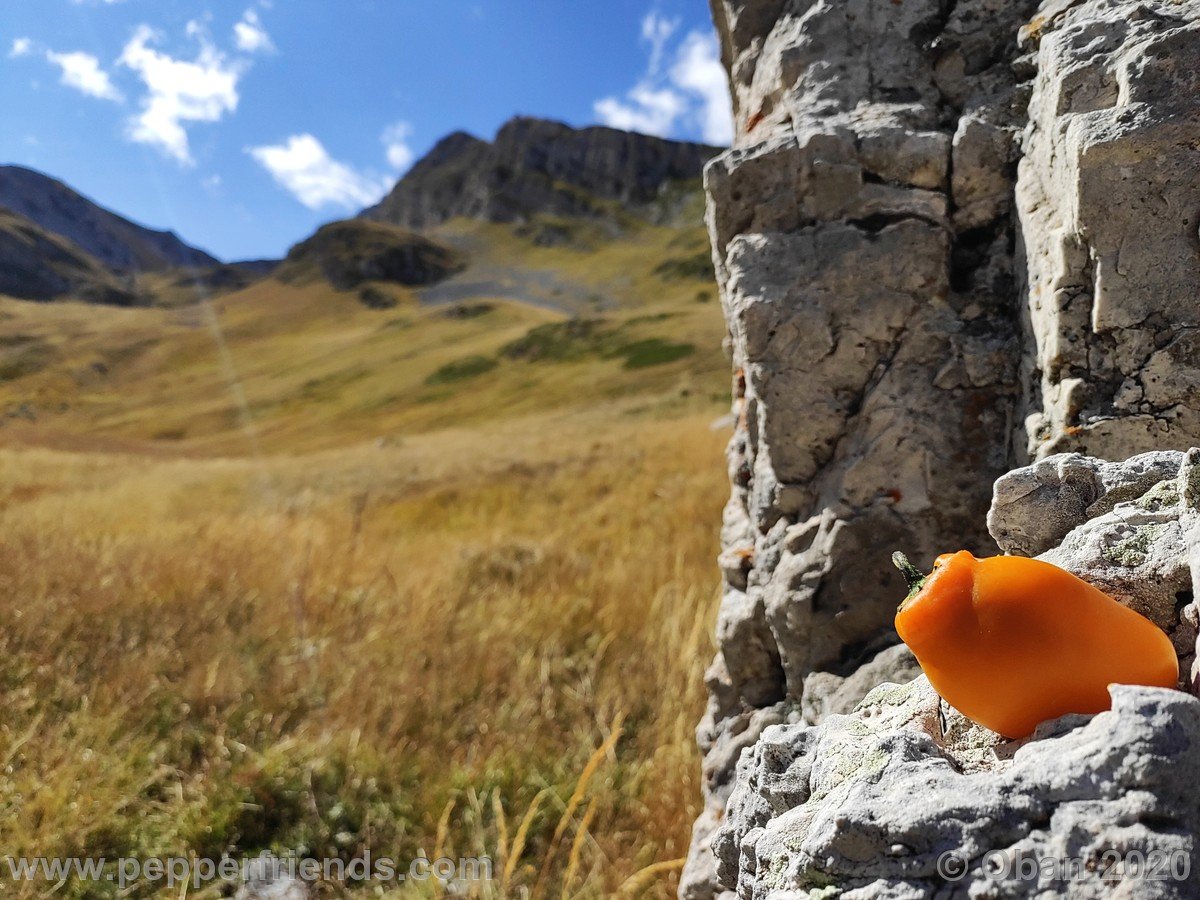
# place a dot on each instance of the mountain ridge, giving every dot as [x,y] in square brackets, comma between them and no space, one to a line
[535,174]
[122,245]
[37,264]
[537,166]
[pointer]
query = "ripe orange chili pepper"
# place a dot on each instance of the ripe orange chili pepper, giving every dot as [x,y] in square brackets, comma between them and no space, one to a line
[1011,642]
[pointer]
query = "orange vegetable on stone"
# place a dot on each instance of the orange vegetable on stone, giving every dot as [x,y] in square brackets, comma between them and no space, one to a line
[1011,642]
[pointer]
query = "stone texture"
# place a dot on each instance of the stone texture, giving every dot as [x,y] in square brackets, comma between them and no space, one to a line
[826,694]
[699,878]
[1135,549]
[1110,208]
[950,238]
[867,802]
[1132,531]
[863,234]
[1034,508]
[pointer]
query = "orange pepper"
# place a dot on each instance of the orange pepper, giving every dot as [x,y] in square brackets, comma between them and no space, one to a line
[1011,642]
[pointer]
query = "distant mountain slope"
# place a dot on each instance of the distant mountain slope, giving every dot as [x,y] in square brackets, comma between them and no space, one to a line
[118,243]
[525,329]
[537,167]
[38,265]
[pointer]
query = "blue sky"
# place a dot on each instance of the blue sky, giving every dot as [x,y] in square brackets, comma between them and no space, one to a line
[244,125]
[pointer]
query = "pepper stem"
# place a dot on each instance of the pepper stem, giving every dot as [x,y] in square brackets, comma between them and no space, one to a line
[913,575]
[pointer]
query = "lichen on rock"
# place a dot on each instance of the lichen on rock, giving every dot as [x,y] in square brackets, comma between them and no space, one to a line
[952,239]
[865,804]
[876,799]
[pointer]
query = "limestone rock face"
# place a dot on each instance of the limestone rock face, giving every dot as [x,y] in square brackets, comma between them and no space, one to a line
[886,802]
[864,239]
[1110,212]
[950,238]
[903,796]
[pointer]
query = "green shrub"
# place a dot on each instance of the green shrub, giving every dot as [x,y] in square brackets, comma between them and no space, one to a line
[698,266]
[461,369]
[559,341]
[468,310]
[21,356]
[578,339]
[653,352]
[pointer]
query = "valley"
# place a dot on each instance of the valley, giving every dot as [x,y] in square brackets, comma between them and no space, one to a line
[371,566]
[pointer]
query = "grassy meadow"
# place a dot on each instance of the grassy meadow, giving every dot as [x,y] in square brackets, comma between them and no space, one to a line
[284,571]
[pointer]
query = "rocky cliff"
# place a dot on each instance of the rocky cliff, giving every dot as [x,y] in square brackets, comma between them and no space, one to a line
[950,238]
[121,245]
[536,166]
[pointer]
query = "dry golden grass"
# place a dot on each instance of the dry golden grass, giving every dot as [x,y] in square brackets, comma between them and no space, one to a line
[321,654]
[485,638]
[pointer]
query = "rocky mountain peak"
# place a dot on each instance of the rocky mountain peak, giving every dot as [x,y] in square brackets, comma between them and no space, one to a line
[450,147]
[537,166]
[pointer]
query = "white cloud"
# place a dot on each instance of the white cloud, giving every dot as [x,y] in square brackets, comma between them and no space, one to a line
[77,69]
[645,109]
[656,31]
[698,70]
[691,95]
[395,139]
[179,91]
[302,166]
[249,34]
[82,71]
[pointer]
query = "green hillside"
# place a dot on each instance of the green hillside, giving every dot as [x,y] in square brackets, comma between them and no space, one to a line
[301,365]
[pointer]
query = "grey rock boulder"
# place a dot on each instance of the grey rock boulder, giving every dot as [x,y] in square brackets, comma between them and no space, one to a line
[827,694]
[1126,527]
[869,804]
[866,803]
[1033,508]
